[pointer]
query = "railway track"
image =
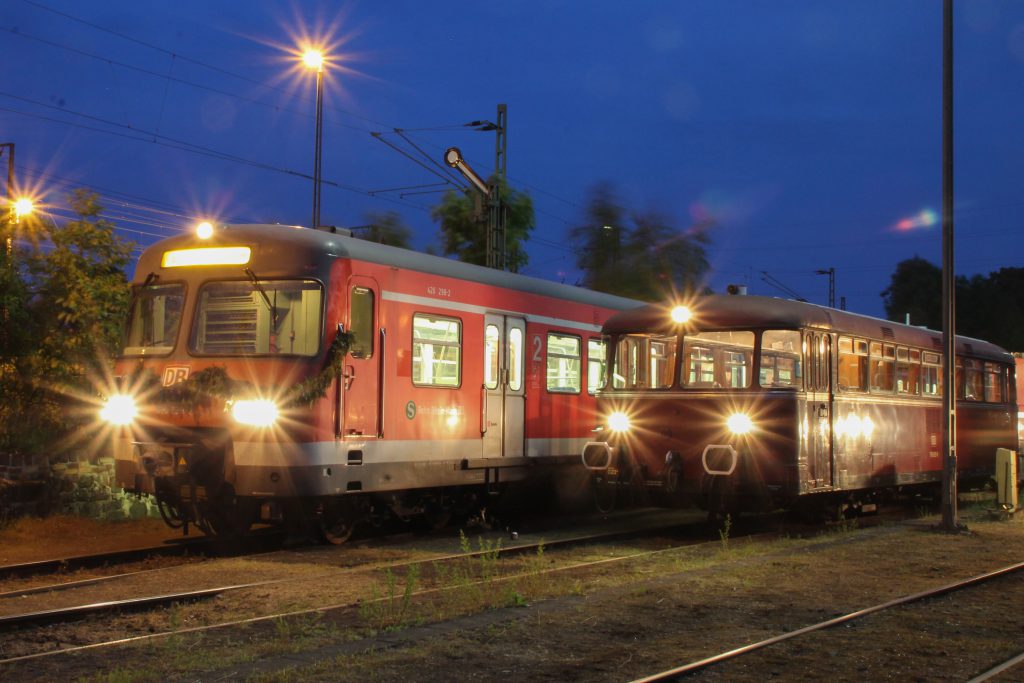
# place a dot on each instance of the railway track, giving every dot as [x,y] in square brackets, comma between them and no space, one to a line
[49,618]
[683,671]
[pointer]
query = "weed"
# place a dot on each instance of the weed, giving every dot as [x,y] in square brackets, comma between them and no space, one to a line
[516,599]
[723,533]
[392,609]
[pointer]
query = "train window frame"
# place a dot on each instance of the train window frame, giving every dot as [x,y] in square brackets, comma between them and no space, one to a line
[969,379]
[360,328]
[268,287]
[565,362]
[128,350]
[444,344]
[600,379]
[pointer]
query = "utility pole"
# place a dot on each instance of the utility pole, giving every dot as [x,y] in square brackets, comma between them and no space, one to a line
[831,272]
[949,501]
[9,238]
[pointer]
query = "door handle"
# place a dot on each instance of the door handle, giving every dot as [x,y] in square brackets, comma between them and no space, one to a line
[349,374]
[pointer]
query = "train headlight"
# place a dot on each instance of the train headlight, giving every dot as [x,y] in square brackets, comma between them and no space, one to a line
[255,412]
[119,409]
[739,423]
[618,422]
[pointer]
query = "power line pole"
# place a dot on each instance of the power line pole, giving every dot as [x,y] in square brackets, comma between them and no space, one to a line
[496,212]
[9,238]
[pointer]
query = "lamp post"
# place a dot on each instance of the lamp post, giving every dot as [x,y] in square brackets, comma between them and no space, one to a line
[314,59]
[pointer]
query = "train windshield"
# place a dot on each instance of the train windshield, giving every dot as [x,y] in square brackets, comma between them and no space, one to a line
[154,319]
[258,317]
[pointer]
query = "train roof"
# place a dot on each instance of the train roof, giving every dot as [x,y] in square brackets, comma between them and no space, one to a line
[723,312]
[291,250]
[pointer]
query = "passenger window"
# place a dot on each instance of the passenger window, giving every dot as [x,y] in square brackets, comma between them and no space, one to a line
[436,351]
[931,374]
[908,371]
[717,359]
[883,357]
[853,364]
[969,380]
[515,359]
[361,318]
[491,356]
[994,391]
[563,374]
[780,359]
[596,364]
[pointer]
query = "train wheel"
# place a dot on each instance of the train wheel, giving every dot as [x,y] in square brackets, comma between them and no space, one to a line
[338,518]
[229,515]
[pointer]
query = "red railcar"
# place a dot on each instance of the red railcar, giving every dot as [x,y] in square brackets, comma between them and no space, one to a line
[751,402]
[273,368]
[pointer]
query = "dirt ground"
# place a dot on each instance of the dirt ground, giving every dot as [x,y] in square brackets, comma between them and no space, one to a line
[622,620]
[31,539]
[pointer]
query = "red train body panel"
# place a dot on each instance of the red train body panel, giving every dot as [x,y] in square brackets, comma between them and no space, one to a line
[451,376]
[758,402]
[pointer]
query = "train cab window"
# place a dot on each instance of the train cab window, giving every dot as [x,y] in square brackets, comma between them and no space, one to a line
[908,371]
[626,373]
[780,359]
[717,359]
[596,364]
[361,322]
[436,351]
[564,361]
[853,364]
[994,385]
[491,356]
[662,354]
[931,374]
[154,319]
[882,367]
[262,317]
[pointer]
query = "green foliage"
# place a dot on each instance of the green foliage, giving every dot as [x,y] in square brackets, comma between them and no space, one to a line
[463,222]
[987,307]
[391,609]
[387,228]
[65,297]
[640,256]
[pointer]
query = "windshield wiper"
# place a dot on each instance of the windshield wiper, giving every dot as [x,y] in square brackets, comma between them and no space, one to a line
[263,293]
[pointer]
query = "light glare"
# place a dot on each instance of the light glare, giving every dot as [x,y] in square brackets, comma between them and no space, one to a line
[680,314]
[739,423]
[119,410]
[314,59]
[255,413]
[618,422]
[204,230]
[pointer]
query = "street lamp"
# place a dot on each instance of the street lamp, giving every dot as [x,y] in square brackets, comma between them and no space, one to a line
[314,59]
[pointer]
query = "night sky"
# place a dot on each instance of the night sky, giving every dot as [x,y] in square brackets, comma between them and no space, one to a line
[809,131]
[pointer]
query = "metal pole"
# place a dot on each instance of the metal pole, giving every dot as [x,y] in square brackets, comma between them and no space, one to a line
[949,469]
[319,146]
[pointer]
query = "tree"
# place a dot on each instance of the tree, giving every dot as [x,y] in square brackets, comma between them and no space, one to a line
[643,258]
[915,289]
[388,228]
[464,227]
[989,307]
[70,298]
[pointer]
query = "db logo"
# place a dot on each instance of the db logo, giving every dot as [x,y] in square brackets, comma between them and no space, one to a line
[174,374]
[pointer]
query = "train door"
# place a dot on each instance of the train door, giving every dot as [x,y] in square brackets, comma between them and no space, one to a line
[504,412]
[361,382]
[818,359]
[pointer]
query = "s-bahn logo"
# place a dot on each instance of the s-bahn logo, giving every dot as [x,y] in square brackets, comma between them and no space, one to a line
[175,373]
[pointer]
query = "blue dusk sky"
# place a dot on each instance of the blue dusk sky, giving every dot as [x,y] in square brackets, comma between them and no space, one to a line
[809,131]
